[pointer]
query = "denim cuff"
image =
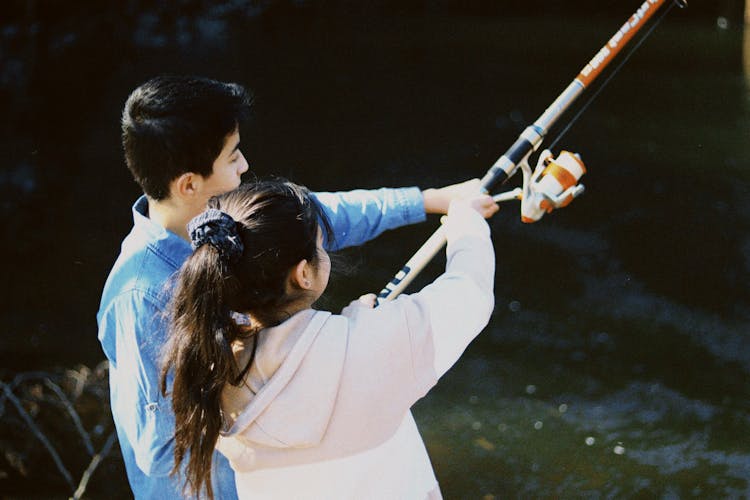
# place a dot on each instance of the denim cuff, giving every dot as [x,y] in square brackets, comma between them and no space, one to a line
[410,202]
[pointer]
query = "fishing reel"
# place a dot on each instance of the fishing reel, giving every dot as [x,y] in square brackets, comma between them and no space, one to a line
[553,184]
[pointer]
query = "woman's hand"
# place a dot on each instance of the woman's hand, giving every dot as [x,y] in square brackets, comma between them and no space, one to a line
[481,203]
[437,201]
[366,301]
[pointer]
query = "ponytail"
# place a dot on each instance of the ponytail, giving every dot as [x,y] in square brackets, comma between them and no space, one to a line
[278,223]
[200,353]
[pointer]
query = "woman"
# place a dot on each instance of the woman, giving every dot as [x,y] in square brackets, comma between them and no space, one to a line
[306,403]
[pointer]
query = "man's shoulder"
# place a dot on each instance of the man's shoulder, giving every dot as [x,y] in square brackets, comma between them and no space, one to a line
[140,269]
[134,299]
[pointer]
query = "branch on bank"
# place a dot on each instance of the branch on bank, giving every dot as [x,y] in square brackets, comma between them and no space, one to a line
[68,413]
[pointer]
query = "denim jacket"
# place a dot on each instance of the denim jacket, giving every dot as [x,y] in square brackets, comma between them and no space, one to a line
[132,327]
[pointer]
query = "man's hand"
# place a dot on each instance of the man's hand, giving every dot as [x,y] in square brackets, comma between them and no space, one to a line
[437,201]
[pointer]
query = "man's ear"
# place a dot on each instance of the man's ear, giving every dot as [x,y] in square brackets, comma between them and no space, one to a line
[301,275]
[187,185]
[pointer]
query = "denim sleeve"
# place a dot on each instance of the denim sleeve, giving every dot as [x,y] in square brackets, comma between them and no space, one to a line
[132,332]
[361,215]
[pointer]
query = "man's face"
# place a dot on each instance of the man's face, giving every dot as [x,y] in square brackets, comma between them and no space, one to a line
[227,168]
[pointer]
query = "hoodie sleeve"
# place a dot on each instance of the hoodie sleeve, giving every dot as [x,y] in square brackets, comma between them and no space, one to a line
[457,306]
[415,339]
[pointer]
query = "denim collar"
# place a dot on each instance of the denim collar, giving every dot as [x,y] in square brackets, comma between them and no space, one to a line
[166,244]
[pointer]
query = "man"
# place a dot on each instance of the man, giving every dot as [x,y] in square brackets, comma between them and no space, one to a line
[181,141]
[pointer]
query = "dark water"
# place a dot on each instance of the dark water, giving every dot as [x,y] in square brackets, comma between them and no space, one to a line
[615,365]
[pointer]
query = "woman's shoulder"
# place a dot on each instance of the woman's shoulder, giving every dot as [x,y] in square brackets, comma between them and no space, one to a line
[388,318]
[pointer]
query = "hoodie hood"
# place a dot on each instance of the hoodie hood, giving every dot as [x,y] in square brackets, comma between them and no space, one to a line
[296,379]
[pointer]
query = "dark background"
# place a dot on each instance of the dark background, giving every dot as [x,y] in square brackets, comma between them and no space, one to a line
[328,75]
[630,307]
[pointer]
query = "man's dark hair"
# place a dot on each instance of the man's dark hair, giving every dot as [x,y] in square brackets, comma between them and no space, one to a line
[177,124]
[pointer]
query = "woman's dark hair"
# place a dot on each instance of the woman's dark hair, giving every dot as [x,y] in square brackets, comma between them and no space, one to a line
[177,124]
[277,224]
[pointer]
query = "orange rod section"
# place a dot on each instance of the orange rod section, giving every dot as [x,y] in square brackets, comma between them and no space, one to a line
[589,73]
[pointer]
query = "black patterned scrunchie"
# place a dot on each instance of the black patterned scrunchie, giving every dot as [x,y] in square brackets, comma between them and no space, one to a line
[218,229]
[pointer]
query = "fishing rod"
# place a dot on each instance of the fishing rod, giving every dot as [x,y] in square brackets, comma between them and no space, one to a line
[554,182]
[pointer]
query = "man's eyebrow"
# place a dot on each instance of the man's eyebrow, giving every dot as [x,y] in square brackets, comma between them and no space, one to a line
[236,147]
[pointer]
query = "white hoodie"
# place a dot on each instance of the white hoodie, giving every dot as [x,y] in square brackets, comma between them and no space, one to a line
[324,412]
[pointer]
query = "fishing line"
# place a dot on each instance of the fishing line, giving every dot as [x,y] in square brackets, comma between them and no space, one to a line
[625,59]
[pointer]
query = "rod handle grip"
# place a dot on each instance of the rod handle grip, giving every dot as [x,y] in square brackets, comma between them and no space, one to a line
[413,266]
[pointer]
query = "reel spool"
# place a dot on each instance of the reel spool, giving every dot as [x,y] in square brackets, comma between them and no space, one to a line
[553,184]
